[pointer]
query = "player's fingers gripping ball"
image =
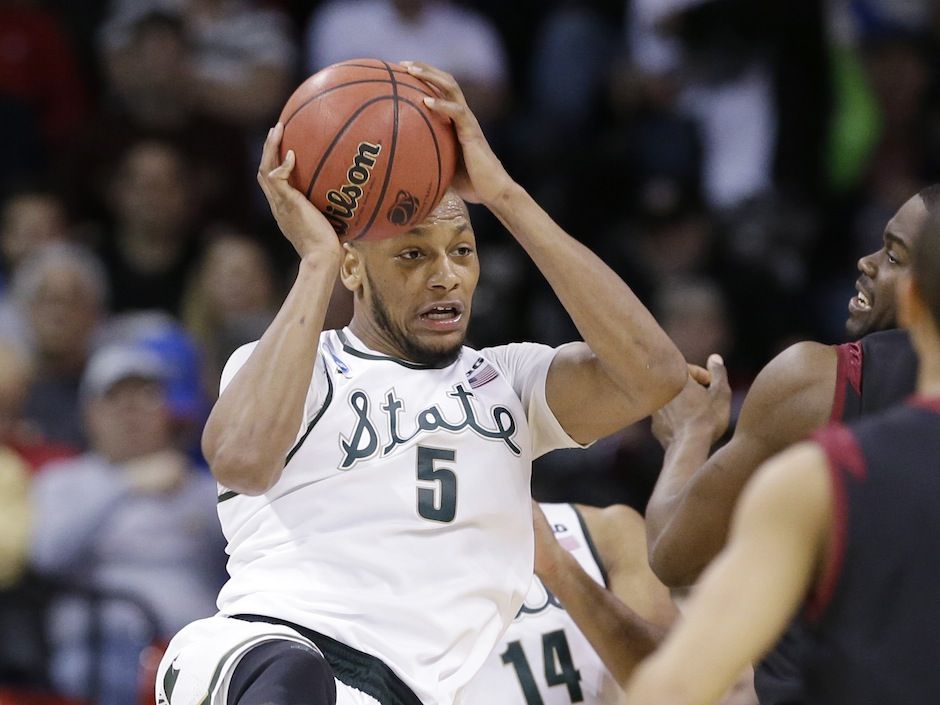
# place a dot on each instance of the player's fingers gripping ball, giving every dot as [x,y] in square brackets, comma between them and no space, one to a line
[369,153]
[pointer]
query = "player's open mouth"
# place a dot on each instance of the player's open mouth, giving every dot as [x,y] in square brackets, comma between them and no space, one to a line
[442,316]
[861,302]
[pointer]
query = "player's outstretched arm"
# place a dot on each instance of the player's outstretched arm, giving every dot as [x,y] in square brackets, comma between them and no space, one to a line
[750,593]
[690,510]
[257,416]
[628,367]
[626,622]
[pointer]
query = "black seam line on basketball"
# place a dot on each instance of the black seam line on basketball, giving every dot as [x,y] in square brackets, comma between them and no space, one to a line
[344,85]
[377,68]
[590,542]
[347,346]
[372,66]
[317,417]
[437,150]
[337,138]
[391,156]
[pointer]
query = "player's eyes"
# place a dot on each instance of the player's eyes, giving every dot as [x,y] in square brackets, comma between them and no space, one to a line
[892,259]
[410,254]
[463,251]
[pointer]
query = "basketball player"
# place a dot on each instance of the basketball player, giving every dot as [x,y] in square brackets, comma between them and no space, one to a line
[375,480]
[587,561]
[846,526]
[798,392]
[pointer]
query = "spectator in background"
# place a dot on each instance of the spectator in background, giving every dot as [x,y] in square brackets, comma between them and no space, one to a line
[241,59]
[455,39]
[755,79]
[61,295]
[694,313]
[129,516]
[726,87]
[232,298]
[31,218]
[150,96]
[574,47]
[42,94]
[187,377]
[896,66]
[152,242]
[15,374]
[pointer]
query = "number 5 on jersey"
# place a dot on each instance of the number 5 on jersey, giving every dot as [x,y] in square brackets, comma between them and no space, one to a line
[437,503]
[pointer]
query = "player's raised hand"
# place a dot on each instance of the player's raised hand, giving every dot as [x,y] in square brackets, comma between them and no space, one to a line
[307,228]
[480,177]
[703,405]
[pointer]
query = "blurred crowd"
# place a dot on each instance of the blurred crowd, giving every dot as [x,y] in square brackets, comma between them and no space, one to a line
[730,159]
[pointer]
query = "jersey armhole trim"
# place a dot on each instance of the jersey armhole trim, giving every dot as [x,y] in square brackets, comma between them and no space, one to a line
[590,542]
[843,459]
[848,373]
[313,422]
[229,494]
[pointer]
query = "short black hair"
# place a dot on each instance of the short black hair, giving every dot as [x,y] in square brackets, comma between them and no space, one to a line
[931,198]
[925,259]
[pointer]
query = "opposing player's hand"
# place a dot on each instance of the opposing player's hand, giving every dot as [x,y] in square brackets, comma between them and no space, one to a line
[704,404]
[307,228]
[548,552]
[480,176]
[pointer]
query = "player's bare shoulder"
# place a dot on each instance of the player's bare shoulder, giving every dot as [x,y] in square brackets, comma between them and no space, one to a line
[793,394]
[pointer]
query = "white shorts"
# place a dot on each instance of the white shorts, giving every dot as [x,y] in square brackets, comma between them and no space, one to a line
[204,654]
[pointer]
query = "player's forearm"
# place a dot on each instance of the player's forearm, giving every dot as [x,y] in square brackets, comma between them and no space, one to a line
[256,419]
[619,635]
[630,345]
[681,672]
[751,591]
[671,502]
[653,683]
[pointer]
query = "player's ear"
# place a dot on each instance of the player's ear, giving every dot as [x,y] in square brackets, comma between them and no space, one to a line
[351,271]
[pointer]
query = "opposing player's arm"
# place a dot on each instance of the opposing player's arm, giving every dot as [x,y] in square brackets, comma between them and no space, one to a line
[628,366]
[626,621]
[257,416]
[691,507]
[747,597]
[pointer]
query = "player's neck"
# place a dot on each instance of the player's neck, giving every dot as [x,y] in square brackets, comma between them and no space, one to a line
[372,336]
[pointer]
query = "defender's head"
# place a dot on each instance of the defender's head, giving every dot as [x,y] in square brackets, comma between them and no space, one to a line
[875,306]
[918,292]
[413,292]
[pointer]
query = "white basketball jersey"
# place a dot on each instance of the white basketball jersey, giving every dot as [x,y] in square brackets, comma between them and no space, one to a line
[401,524]
[543,658]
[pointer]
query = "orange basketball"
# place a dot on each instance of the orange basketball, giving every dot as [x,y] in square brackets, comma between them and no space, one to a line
[370,154]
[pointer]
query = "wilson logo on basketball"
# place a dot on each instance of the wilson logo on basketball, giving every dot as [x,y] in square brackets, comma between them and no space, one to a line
[404,209]
[345,200]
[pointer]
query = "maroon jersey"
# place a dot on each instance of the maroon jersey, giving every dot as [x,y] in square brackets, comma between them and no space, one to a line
[873,619]
[872,374]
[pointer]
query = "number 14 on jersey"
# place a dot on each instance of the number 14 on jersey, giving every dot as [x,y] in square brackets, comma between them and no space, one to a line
[559,668]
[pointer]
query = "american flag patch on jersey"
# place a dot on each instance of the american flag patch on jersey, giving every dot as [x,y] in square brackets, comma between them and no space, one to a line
[481,373]
[569,543]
